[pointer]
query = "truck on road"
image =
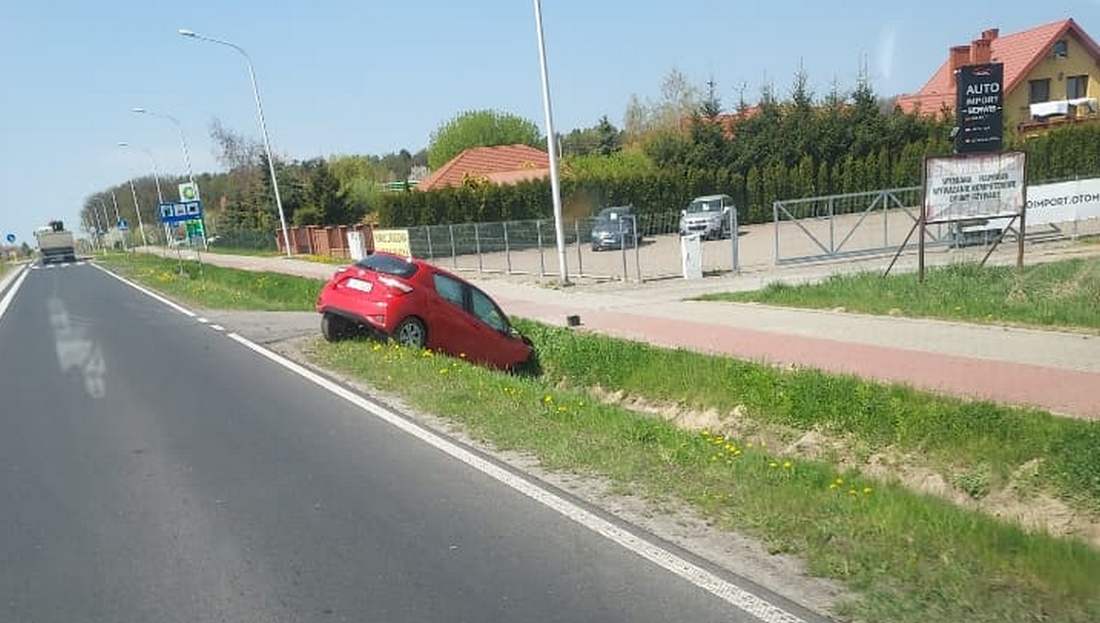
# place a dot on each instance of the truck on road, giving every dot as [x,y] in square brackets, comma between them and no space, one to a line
[55,244]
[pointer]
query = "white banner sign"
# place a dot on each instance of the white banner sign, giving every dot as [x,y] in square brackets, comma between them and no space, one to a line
[1063,202]
[968,187]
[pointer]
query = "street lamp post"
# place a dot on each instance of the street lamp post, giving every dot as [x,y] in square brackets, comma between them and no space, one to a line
[551,148]
[118,220]
[263,126]
[156,172]
[137,208]
[186,153]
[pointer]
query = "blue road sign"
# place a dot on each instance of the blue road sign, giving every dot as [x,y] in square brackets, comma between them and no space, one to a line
[175,213]
[11,238]
[123,225]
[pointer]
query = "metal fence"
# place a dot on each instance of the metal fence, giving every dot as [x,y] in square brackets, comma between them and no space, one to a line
[851,225]
[639,248]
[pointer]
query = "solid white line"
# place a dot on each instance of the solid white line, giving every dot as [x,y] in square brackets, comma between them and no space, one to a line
[10,296]
[727,591]
[736,596]
[179,308]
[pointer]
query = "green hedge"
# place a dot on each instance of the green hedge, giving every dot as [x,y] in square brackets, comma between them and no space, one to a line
[1067,152]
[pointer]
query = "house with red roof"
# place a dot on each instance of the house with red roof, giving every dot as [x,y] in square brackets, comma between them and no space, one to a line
[503,164]
[1051,76]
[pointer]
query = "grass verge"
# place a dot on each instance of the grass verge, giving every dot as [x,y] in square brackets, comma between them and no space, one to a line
[910,557]
[214,287]
[1065,293]
[947,432]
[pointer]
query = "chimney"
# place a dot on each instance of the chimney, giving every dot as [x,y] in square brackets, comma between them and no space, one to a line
[958,56]
[991,34]
[980,51]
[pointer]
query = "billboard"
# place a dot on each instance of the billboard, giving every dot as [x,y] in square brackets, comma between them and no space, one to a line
[974,186]
[979,108]
[394,241]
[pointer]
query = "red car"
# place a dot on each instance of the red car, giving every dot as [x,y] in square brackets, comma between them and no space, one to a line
[421,306]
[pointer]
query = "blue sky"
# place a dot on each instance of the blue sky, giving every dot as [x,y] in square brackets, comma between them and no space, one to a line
[372,76]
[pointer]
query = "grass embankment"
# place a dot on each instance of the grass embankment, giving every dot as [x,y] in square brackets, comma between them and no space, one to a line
[213,287]
[1065,293]
[910,557]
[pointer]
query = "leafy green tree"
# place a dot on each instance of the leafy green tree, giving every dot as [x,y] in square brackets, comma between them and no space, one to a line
[308,215]
[479,128]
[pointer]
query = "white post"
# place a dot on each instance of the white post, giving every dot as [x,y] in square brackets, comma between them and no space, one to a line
[137,208]
[551,149]
[118,221]
[263,129]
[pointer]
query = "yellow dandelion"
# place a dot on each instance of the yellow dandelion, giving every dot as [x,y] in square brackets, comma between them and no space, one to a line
[773,464]
[833,485]
[867,491]
[787,464]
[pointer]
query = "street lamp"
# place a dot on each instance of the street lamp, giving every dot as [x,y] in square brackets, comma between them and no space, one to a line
[263,126]
[156,173]
[183,138]
[186,153]
[551,148]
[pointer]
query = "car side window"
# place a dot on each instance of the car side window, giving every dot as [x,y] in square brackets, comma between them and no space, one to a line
[449,289]
[487,311]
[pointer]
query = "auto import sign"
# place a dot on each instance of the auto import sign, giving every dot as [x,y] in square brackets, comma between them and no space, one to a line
[979,108]
[977,186]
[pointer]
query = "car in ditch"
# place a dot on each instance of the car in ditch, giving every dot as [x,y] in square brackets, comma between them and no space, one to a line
[614,228]
[420,305]
[708,217]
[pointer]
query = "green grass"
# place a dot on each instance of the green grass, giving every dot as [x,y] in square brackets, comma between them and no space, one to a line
[947,432]
[1065,293]
[908,557]
[227,250]
[214,287]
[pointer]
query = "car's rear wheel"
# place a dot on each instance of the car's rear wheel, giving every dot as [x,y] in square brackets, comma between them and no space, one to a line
[334,328]
[411,333]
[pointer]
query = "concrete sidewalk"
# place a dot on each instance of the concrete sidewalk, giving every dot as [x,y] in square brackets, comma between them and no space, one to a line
[1052,370]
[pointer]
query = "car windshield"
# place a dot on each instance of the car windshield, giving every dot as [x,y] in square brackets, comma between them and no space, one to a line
[709,205]
[388,265]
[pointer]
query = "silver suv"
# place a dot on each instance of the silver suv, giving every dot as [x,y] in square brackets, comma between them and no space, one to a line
[707,216]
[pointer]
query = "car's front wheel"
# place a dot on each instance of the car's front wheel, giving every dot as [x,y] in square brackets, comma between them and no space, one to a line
[334,328]
[411,333]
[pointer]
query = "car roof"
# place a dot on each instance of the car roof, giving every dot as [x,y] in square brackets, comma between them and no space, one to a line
[617,209]
[711,197]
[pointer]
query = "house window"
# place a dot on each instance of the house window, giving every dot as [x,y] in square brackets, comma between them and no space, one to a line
[1076,87]
[1039,91]
[1061,49]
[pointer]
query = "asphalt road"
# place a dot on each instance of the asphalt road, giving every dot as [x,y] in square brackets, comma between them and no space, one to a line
[152,469]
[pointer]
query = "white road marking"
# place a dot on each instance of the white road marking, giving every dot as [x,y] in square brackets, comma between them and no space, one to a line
[217,327]
[10,296]
[51,266]
[202,320]
[732,594]
[179,308]
[81,263]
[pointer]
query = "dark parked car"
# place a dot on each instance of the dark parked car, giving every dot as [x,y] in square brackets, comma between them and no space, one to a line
[614,229]
[421,306]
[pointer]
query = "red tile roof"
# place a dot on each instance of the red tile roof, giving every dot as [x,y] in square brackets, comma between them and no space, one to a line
[504,164]
[1020,52]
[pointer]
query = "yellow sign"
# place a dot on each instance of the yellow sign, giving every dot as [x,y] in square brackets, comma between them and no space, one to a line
[394,241]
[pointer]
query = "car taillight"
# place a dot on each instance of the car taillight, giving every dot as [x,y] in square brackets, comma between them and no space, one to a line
[394,284]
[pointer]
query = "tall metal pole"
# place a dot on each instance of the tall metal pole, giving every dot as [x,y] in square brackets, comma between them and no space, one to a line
[263,128]
[137,208]
[118,220]
[551,148]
